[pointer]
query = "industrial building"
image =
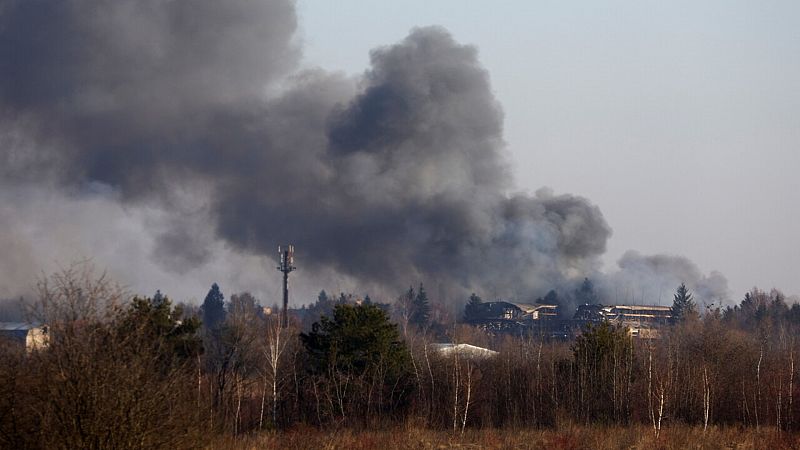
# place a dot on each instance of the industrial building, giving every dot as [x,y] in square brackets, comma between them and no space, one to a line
[517,318]
[642,321]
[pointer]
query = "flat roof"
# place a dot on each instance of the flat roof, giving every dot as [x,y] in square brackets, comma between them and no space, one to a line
[17,326]
[641,307]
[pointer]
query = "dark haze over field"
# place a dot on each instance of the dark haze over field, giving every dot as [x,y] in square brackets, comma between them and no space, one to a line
[196,109]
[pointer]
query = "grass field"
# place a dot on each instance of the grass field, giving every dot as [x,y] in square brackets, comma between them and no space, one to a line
[572,437]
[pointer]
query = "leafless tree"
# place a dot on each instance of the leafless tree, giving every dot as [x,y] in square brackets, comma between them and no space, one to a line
[104,381]
[277,339]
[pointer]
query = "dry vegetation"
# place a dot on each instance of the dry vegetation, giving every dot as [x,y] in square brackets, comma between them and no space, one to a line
[566,438]
[141,374]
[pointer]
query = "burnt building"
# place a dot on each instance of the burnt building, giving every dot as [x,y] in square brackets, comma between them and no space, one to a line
[503,316]
[641,320]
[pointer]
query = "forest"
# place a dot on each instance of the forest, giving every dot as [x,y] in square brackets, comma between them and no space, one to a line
[123,371]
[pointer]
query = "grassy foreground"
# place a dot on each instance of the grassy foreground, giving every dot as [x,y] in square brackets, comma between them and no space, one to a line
[573,437]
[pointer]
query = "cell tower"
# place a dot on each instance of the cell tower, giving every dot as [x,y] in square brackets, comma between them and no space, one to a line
[286,266]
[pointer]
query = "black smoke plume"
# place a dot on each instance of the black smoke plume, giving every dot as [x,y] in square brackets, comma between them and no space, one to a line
[197,109]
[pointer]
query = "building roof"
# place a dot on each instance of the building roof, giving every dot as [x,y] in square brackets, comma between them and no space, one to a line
[17,326]
[468,350]
[526,307]
[642,307]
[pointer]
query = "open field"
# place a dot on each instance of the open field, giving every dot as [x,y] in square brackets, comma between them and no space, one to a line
[568,438]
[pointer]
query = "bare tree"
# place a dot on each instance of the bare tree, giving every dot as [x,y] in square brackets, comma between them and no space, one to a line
[706,398]
[76,295]
[112,375]
[277,338]
[468,385]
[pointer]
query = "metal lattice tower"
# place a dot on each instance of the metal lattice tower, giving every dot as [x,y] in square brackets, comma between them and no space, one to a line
[286,266]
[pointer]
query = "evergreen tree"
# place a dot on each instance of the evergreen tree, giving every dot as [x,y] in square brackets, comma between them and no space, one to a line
[551,298]
[420,309]
[471,310]
[585,294]
[158,297]
[159,322]
[324,305]
[356,339]
[683,307]
[748,301]
[599,369]
[322,298]
[213,309]
[360,352]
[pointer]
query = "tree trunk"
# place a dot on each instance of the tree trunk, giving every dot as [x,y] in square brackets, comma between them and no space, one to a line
[469,393]
[263,402]
[706,398]
[758,383]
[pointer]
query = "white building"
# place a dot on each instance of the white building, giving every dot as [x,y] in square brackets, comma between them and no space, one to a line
[464,351]
[24,334]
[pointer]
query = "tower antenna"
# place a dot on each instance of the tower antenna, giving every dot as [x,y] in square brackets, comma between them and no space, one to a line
[286,266]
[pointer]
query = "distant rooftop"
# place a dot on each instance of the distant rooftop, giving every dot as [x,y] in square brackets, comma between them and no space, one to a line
[642,307]
[468,350]
[17,326]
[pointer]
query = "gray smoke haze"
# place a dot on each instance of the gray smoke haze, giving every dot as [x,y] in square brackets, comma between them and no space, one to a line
[653,279]
[195,112]
[121,92]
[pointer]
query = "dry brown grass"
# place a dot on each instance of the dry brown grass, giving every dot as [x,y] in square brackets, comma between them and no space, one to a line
[567,438]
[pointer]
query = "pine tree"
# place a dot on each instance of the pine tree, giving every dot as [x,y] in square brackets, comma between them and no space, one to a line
[355,339]
[585,295]
[324,305]
[420,309]
[683,307]
[158,298]
[213,309]
[160,322]
[361,345]
[599,369]
[551,298]
[472,308]
[322,298]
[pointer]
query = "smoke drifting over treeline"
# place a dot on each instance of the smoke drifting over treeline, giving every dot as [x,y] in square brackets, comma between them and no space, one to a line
[196,112]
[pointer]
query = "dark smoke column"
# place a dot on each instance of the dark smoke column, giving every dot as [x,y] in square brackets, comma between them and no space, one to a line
[286,261]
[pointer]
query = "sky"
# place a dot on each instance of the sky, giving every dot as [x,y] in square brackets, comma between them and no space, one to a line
[680,120]
[501,147]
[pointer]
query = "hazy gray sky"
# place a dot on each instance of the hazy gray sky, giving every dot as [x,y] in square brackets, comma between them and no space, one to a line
[178,143]
[680,119]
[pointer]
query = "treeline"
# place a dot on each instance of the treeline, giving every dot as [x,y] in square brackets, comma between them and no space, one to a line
[144,373]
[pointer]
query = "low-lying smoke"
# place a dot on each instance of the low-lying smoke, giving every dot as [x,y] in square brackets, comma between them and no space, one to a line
[653,279]
[397,176]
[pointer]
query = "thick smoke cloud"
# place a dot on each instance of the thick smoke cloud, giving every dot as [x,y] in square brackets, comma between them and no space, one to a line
[197,109]
[653,279]
[407,181]
[119,92]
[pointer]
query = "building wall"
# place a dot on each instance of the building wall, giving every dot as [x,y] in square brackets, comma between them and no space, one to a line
[37,338]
